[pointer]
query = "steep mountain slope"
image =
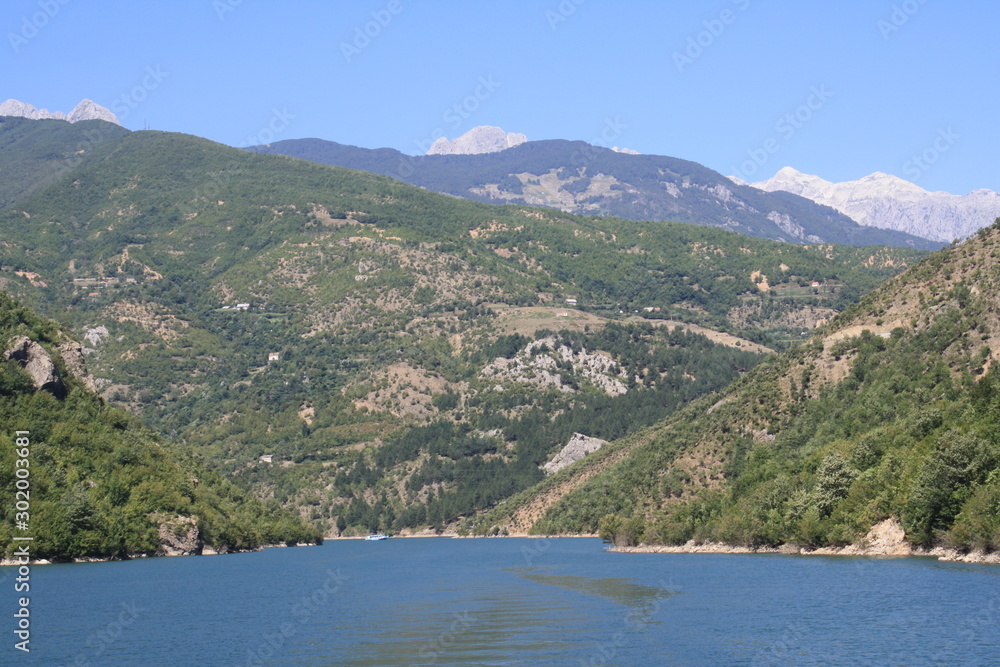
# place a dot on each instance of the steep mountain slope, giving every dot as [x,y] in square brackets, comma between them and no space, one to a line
[380,356]
[577,177]
[887,202]
[98,483]
[34,154]
[887,412]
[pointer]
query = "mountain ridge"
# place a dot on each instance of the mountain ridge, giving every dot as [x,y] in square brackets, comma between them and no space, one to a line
[581,178]
[478,140]
[85,110]
[889,202]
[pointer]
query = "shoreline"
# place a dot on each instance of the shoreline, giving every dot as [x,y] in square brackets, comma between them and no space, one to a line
[886,539]
[855,550]
[206,551]
[880,547]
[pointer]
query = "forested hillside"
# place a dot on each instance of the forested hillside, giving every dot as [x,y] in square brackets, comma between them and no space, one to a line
[383,357]
[890,411]
[37,153]
[99,484]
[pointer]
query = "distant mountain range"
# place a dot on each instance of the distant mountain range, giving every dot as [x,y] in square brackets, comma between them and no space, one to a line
[577,177]
[888,202]
[85,110]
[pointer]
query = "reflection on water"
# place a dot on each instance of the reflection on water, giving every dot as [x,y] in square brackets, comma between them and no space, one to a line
[514,602]
[623,591]
[487,627]
[512,624]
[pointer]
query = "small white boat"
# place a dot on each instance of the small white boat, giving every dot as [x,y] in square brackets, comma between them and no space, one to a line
[375,537]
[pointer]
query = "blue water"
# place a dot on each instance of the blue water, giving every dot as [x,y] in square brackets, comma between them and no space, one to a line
[506,602]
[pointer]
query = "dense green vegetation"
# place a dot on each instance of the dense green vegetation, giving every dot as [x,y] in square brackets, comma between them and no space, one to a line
[492,454]
[645,187]
[816,446]
[37,153]
[101,484]
[386,309]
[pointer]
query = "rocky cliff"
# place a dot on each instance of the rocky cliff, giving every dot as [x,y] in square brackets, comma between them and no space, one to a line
[888,202]
[85,110]
[482,139]
[578,446]
[36,361]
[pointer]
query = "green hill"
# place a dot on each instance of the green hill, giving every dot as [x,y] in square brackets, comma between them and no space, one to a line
[888,411]
[100,485]
[37,153]
[383,357]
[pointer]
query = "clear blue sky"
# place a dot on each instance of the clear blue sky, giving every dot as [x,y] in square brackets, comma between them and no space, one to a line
[837,89]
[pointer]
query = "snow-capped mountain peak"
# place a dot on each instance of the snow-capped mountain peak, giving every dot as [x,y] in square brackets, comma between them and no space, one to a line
[889,202]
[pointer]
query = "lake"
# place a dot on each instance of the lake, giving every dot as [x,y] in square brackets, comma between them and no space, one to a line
[506,602]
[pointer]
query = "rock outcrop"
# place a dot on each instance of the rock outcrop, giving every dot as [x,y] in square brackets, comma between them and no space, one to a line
[90,110]
[539,364]
[888,202]
[482,139]
[36,361]
[179,536]
[578,446]
[72,355]
[85,110]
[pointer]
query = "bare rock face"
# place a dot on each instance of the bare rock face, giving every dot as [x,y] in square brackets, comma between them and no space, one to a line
[34,359]
[179,536]
[72,355]
[22,110]
[85,110]
[482,139]
[578,446]
[887,538]
[538,364]
[90,110]
[888,202]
